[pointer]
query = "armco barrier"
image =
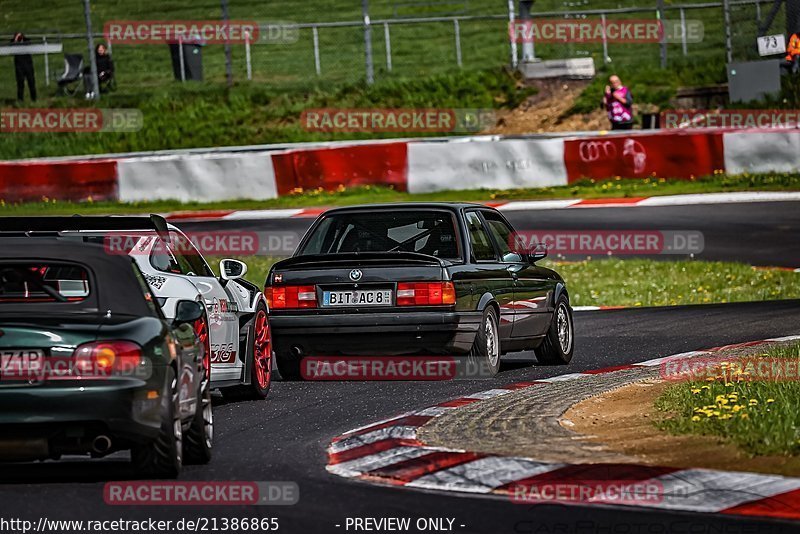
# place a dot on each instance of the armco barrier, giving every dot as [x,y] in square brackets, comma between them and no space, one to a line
[74,180]
[764,152]
[378,164]
[500,164]
[675,155]
[201,178]
[416,166]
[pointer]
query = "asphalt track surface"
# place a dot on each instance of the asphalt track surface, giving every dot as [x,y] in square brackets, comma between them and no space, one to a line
[759,233]
[284,438]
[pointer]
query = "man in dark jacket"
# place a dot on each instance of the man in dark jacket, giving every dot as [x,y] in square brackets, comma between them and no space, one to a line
[23,69]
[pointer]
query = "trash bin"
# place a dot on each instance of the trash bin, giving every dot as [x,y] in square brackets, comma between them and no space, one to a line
[192,60]
[651,121]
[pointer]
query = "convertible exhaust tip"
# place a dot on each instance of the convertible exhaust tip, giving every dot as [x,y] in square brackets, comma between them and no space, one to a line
[101,444]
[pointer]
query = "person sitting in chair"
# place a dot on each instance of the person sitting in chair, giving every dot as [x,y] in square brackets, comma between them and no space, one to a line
[105,69]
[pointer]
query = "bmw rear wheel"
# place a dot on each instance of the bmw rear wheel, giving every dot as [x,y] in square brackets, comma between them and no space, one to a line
[485,353]
[558,344]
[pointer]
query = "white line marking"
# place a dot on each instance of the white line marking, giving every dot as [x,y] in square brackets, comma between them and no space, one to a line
[482,475]
[389,432]
[357,466]
[704,490]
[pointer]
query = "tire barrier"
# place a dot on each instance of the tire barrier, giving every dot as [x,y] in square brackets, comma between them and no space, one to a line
[417,166]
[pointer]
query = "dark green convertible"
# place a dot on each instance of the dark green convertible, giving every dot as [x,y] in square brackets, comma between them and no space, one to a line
[89,364]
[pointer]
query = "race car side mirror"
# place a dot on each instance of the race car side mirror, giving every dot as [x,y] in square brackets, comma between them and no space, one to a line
[188,311]
[232,269]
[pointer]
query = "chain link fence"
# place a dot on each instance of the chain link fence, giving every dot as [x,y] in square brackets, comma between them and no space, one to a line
[408,38]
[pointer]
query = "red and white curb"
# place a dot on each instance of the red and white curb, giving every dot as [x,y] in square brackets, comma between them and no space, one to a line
[517,205]
[389,452]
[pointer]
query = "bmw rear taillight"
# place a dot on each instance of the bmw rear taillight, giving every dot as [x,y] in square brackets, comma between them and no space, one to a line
[287,297]
[425,294]
[104,358]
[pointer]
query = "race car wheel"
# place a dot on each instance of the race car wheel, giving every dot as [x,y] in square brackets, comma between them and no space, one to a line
[260,363]
[485,352]
[200,436]
[558,344]
[163,457]
[201,331]
[261,371]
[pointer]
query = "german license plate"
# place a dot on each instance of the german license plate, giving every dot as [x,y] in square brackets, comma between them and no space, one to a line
[358,297]
[19,364]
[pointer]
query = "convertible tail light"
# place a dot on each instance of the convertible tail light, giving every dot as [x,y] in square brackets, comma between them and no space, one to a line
[104,358]
[285,297]
[425,294]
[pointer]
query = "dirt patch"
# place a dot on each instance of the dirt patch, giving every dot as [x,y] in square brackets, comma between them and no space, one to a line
[622,422]
[543,112]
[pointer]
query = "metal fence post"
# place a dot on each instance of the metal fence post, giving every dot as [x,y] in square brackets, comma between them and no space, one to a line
[180,56]
[315,34]
[388,39]
[457,29]
[247,55]
[758,11]
[683,32]
[605,39]
[726,11]
[511,34]
[46,63]
[367,42]
[95,87]
[663,45]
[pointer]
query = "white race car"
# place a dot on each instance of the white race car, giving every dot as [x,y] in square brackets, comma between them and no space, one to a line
[235,328]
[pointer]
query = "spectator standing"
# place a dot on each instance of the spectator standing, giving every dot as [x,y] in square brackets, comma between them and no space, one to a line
[791,63]
[23,69]
[619,104]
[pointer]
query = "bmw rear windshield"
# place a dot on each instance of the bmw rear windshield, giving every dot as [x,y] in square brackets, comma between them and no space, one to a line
[425,232]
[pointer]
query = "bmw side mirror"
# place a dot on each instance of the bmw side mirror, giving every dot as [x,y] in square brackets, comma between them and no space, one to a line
[232,269]
[187,311]
[537,252]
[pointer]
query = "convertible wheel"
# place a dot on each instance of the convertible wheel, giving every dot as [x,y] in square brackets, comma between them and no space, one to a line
[260,363]
[200,436]
[558,344]
[163,457]
[485,351]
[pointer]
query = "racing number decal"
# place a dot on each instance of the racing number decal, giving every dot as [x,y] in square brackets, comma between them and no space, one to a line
[223,353]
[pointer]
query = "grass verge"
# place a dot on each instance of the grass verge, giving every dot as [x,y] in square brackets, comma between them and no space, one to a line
[614,188]
[642,282]
[761,417]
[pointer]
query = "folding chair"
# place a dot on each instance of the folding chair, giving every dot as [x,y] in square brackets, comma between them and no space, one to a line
[71,81]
